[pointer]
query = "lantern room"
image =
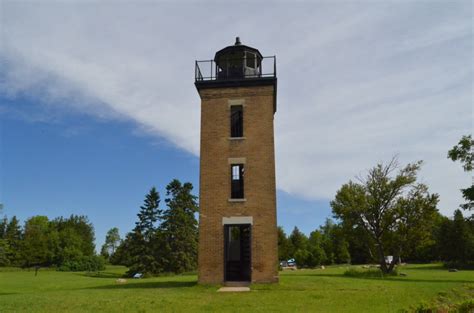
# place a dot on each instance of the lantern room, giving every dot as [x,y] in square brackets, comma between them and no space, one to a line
[238,61]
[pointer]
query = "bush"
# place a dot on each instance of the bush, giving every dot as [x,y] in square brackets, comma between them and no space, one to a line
[469,265]
[376,272]
[86,263]
[456,301]
[466,307]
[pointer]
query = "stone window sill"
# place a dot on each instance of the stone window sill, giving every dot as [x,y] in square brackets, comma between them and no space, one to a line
[236,138]
[237,200]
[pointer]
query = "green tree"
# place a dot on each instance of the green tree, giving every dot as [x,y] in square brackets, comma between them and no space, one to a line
[178,229]
[386,208]
[360,244]
[4,253]
[283,245]
[142,239]
[3,227]
[298,247]
[13,236]
[112,241]
[122,255]
[317,254]
[298,240]
[416,217]
[334,243]
[36,249]
[72,238]
[456,240]
[464,152]
[429,249]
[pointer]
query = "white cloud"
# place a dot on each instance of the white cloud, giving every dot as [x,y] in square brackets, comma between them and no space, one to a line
[358,82]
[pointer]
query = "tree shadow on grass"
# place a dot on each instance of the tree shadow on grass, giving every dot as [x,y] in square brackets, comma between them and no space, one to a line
[423,268]
[151,284]
[100,274]
[391,278]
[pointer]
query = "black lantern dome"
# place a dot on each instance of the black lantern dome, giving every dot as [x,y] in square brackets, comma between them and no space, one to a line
[238,61]
[236,66]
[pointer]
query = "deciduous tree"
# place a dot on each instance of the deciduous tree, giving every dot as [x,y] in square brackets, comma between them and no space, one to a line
[464,153]
[393,210]
[112,241]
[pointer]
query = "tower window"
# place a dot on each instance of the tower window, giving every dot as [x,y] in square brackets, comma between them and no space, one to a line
[236,121]
[237,181]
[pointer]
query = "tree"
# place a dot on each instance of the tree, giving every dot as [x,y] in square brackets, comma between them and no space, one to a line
[317,254]
[36,249]
[416,217]
[298,246]
[456,240]
[122,255]
[13,237]
[3,227]
[178,229]
[359,244]
[393,211]
[334,244]
[4,247]
[429,249]
[72,238]
[4,253]
[112,241]
[283,245]
[141,245]
[464,152]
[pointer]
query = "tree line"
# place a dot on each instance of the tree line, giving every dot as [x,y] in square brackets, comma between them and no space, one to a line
[386,212]
[65,243]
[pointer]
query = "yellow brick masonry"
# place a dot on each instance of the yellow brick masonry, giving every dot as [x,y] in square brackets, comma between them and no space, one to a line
[258,150]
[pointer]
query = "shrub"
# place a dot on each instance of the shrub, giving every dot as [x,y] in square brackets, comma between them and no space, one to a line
[455,301]
[376,273]
[466,306]
[85,263]
[469,265]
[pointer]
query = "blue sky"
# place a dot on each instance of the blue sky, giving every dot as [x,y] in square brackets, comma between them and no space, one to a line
[77,164]
[97,102]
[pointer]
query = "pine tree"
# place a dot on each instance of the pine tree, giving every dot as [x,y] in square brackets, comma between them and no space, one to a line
[299,247]
[179,233]
[3,227]
[13,236]
[143,237]
[4,253]
[298,241]
[283,245]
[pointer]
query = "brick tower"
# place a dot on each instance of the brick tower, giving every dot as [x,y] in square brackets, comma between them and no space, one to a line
[237,219]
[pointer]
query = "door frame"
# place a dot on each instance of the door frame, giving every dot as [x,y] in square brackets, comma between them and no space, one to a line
[225,250]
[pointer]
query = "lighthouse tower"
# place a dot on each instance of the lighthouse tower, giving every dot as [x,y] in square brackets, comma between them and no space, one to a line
[237,219]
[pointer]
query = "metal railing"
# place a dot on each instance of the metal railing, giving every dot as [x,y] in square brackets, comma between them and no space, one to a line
[231,69]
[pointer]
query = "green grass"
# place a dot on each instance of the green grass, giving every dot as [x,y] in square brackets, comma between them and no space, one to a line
[318,290]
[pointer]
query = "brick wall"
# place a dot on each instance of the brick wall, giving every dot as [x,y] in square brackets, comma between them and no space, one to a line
[258,150]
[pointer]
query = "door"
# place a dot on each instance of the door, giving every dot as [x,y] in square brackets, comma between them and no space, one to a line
[237,252]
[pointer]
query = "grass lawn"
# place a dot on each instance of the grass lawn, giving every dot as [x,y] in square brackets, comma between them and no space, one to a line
[298,291]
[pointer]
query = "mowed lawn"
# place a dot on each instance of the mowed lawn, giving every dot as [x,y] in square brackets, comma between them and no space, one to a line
[298,291]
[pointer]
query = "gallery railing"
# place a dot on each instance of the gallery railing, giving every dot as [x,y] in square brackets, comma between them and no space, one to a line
[231,69]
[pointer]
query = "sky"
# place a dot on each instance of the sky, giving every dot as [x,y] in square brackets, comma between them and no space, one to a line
[97,101]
